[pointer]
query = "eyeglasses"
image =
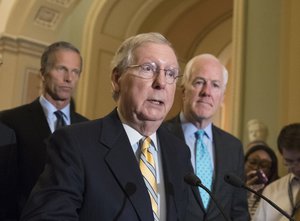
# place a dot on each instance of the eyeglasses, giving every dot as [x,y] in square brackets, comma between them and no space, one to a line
[264,164]
[291,163]
[149,70]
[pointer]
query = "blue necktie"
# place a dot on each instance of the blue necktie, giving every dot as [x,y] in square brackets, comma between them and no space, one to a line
[203,166]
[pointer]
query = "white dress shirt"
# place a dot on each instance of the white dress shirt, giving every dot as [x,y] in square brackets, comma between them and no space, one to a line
[277,192]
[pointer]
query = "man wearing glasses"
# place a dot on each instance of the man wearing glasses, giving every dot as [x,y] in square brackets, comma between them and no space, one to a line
[124,166]
[285,192]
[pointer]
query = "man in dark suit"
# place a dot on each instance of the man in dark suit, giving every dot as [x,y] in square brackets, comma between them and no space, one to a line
[204,82]
[99,170]
[61,65]
[8,167]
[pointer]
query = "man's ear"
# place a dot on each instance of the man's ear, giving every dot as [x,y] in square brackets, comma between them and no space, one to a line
[115,77]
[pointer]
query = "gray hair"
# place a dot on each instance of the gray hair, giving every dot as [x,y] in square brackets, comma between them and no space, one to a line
[46,60]
[189,65]
[124,56]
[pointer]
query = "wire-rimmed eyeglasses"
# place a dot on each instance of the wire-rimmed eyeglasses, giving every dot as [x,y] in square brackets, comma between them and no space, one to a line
[149,70]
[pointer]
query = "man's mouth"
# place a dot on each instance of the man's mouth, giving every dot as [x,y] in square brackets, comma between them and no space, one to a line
[157,102]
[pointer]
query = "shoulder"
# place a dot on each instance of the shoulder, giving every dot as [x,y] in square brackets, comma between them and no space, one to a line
[21,108]
[172,122]
[219,133]
[93,127]
[278,184]
[20,113]
[78,117]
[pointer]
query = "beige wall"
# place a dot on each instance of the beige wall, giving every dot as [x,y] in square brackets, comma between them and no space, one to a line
[258,40]
[271,67]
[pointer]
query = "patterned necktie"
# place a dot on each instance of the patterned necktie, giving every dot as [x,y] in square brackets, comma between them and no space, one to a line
[60,122]
[203,166]
[147,166]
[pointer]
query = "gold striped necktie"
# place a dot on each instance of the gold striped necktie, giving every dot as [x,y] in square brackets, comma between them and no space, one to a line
[147,166]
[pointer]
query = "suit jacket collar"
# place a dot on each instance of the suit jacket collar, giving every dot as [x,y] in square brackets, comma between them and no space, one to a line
[124,165]
[39,120]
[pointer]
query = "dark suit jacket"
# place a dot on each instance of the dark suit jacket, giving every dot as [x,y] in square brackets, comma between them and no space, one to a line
[93,174]
[8,167]
[31,128]
[229,157]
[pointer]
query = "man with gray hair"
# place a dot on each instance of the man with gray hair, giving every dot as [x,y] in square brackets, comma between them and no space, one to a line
[124,166]
[214,152]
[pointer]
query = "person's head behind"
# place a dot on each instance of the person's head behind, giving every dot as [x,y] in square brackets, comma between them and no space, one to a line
[61,65]
[257,130]
[261,156]
[288,143]
[204,83]
[144,75]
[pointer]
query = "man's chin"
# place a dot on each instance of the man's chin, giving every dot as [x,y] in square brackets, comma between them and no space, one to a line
[155,117]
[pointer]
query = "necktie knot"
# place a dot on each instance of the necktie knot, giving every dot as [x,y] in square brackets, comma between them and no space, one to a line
[145,144]
[199,134]
[60,122]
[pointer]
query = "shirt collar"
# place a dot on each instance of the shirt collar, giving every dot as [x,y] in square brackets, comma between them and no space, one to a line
[191,129]
[49,108]
[134,136]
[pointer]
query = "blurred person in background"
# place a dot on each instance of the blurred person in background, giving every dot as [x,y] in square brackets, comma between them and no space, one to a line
[285,191]
[261,168]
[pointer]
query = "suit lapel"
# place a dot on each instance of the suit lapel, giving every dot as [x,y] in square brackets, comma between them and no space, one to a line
[173,174]
[38,118]
[218,152]
[124,165]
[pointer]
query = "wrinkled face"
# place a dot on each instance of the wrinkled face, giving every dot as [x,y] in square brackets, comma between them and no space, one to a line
[204,91]
[291,159]
[259,159]
[61,79]
[147,99]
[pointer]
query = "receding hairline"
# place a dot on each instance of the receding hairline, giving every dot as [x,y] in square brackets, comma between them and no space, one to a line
[202,58]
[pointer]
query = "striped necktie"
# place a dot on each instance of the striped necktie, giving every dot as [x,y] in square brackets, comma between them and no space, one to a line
[147,166]
[203,166]
[60,122]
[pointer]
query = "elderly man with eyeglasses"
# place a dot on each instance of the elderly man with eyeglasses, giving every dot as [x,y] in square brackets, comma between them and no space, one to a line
[285,192]
[124,166]
[203,88]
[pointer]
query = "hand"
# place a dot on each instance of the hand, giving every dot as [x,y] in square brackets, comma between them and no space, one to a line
[252,179]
